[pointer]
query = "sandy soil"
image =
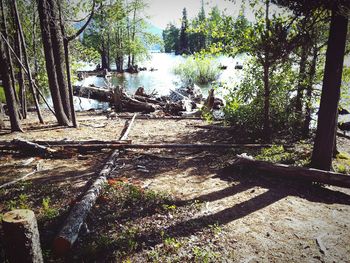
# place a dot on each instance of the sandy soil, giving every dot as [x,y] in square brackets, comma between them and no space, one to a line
[259,218]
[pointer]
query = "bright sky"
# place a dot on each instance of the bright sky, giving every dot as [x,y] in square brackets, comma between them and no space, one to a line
[164,11]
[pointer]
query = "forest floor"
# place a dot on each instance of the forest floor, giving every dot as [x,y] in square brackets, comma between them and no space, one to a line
[174,205]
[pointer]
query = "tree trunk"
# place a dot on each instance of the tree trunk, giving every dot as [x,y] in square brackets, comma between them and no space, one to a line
[9,91]
[301,81]
[66,56]
[50,63]
[21,237]
[266,128]
[23,44]
[312,73]
[5,34]
[266,65]
[70,231]
[20,77]
[327,117]
[59,56]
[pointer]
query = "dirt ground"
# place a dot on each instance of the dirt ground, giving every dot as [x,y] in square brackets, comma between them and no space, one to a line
[175,205]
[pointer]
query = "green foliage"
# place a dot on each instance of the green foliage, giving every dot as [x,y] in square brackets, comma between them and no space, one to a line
[275,154]
[48,212]
[202,255]
[171,38]
[345,88]
[245,103]
[20,203]
[198,69]
[2,95]
[120,29]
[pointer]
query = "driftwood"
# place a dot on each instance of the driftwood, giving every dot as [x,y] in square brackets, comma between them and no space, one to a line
[21,236]
[70,230]
[282,170]
[120,99]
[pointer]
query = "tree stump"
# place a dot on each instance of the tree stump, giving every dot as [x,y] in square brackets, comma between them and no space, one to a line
[21,236]
[117,98]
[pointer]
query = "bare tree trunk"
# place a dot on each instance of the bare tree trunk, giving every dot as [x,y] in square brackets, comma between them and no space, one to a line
[312,72]
[9,91]
[301,81]
[50,63]
[20,76]
[327,117]
[5,33]
[267,128]
[23,44]
[70,88]
[59,56]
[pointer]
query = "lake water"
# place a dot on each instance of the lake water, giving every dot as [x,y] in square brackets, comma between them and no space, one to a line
[162,80]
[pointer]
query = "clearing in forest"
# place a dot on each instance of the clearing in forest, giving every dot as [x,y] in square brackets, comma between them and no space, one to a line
[176,205]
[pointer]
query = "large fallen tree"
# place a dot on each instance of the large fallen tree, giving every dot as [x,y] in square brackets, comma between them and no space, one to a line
[70,230]
[125,144]
[182,101]
[282,170]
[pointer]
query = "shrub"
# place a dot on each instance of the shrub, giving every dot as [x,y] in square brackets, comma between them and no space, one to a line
[199,70]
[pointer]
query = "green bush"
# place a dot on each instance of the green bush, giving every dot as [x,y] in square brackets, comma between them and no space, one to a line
[198,69]
[245,103]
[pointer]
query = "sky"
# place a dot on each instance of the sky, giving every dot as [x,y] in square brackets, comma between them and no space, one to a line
[164,11]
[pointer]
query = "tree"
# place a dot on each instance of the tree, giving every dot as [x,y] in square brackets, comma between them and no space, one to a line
[327,116]
[44,14]
[171,38]
[5,72]
[183,41]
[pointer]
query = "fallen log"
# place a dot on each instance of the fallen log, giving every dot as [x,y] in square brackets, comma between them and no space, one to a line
[133,105]
[282,170]
[69,142]
[34,148]
[207,146]
[117,97]
[70,230]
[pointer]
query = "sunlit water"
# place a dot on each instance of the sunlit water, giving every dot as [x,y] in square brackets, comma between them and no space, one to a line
[162,80]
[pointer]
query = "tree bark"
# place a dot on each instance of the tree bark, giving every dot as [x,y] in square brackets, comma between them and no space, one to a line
[282,170]
[301,81]
[21,236]
[327,117]
[9,58]
[70,231]
[30,78]
[59,56]
[9,90]
[50,63]
[20,77]
[311,77]
[266,65]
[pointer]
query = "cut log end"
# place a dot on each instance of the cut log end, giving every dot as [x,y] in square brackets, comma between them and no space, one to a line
[21,235]
[18,216]
[61,246]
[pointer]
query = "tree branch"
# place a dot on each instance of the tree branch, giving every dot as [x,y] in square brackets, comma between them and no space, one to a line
[70,38]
